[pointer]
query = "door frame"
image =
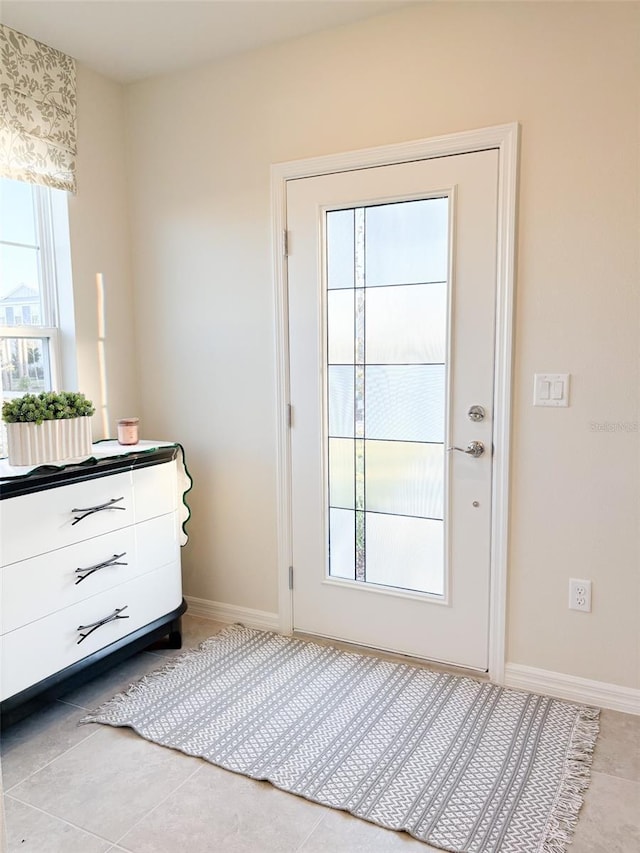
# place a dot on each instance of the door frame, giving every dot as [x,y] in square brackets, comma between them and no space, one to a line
[505,138]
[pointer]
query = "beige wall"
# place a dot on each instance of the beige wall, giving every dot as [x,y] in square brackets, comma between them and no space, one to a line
[201,144]
[99,230]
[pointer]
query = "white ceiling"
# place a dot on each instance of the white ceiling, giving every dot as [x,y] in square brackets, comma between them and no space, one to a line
[129,40]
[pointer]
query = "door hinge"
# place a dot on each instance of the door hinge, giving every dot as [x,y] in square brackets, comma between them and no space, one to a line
[289,415]
[285,243]
[290,577]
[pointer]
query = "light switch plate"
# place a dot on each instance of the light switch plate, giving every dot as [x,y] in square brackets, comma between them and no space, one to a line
[551,389]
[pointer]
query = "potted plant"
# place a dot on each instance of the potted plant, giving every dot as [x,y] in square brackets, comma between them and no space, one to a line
[48,427]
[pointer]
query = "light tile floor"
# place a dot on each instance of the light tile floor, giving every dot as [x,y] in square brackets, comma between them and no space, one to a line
[91,788]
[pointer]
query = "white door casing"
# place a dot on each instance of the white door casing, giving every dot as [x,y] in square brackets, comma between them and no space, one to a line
[504,140]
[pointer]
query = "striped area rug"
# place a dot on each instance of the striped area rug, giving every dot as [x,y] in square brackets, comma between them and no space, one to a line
[461,764]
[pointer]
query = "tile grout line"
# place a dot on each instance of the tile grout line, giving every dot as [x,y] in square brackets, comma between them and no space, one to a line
[73,705]
[158,804]
[614,776]
[321,818]
[62,820]
[33,772]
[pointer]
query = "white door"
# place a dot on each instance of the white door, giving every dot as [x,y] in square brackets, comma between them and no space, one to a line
[392,287]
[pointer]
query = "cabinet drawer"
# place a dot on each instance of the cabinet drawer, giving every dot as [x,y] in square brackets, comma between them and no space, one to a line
[155,490]
[42,648]
[157,542]
[45,521]
[31,589]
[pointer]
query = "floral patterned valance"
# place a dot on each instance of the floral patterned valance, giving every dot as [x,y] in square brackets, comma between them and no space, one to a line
[37,112]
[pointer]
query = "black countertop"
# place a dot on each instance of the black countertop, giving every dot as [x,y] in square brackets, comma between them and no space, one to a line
[51,476]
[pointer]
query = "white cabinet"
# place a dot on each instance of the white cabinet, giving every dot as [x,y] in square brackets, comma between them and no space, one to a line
[90,566]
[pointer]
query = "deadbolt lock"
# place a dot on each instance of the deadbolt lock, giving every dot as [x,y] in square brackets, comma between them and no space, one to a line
[476,413]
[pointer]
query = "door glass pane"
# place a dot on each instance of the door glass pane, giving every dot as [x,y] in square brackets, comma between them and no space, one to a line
[342,540]
[387,328]
[405,478]
[340,243]
[405,552]
[405,403]
[407,325]
[341,402]
[407,243]
[340,326]
[341,468]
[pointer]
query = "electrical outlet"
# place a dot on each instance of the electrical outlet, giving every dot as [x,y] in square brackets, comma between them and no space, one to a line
[579,595]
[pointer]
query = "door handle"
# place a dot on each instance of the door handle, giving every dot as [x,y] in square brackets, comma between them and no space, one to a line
[474,448]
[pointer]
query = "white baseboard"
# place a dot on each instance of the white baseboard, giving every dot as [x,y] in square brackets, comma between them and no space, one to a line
[230,613]
[581,690]
[574,689]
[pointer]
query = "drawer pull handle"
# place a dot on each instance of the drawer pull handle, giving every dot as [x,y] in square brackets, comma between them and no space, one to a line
[95,625]
[89,570]
[91,509]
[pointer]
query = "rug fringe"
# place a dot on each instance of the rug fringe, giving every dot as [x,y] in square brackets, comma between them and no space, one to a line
[577,775]
[96,716]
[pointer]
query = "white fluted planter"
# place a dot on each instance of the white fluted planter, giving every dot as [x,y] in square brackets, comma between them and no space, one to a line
[50,441]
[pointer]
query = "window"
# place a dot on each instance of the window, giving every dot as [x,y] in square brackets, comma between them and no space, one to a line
[37,340]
